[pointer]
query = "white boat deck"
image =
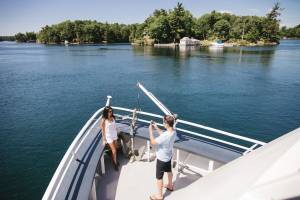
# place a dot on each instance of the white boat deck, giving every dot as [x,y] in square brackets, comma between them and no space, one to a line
[75,176]
[271,171]
[137,181]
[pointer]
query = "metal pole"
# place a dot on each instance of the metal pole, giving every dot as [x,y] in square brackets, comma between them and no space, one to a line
[177,160]
[132,127]
[148,151]
[102,164]
[161,106]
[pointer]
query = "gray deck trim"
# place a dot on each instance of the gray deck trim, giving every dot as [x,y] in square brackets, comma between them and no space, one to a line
[79,178]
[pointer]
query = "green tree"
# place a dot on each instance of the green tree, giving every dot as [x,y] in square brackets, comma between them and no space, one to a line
[159,28]
[78,31]
[213,17]
[136,32]
[221,29]
[181,22]
[31,36]
[7,38]
[91,32]
[21,37]
[202,27]
[253,28]
[271,30]
[293,32]
[237,30]
[66,31]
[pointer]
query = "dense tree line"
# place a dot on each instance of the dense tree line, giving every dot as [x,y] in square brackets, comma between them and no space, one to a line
[85,31]
[291,32]
[165,26]
[25,37]
[170,26]
[7,38]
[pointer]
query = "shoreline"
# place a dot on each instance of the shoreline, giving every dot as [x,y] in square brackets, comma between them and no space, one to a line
[207,43]
[203,43]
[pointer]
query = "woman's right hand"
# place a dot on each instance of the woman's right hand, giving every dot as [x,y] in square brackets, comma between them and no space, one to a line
[104,142]
[154,125]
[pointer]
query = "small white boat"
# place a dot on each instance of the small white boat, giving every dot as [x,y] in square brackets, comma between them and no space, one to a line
[217,44]
[66,43]
[208,163]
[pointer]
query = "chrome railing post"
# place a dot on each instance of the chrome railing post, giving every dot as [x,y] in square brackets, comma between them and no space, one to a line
[177,159]
[102,164]
[210,165]
[108,101]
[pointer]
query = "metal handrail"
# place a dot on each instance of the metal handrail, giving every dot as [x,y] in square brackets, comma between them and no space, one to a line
[222,132]
[198,134]
[243,138]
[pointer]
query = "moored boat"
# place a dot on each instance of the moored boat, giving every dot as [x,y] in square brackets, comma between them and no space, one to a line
[217,44]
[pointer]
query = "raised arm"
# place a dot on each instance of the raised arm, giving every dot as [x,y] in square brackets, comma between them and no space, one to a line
[102,126]
[158,129]
[152,139]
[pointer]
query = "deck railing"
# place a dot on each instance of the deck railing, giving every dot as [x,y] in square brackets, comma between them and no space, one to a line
[245,149]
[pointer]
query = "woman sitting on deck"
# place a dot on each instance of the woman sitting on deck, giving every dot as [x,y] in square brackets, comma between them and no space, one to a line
[110,133]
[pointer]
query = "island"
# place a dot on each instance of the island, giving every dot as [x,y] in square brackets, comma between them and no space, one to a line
[167,28]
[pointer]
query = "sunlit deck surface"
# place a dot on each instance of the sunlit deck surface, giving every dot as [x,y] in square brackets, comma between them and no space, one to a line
[137,180]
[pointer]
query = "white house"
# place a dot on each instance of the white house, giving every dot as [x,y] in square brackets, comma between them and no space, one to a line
[186,41]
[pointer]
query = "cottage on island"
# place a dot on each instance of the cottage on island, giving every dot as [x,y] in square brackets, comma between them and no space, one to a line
[186,41]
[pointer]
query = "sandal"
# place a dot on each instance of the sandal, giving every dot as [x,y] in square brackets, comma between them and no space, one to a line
[153,197]
[169,189]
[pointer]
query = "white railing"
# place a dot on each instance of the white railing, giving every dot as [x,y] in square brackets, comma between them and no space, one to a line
[246,149]
[70,155]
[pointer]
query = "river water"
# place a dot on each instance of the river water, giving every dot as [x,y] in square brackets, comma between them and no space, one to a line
[49,92]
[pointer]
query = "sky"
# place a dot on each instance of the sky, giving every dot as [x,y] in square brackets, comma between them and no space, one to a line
[30,15]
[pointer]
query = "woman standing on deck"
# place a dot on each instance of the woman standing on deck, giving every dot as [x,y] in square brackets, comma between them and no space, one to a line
[110,133]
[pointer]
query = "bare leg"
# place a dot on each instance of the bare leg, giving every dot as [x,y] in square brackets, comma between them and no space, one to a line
[160,188]
[114,152]
[115,142]
[170,180]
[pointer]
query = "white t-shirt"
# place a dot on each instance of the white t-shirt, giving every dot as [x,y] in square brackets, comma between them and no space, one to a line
[165,144]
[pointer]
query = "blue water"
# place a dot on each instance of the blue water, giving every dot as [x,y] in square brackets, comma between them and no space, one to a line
[49,92]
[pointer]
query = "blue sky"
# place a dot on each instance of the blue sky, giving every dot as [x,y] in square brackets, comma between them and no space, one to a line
[31,15]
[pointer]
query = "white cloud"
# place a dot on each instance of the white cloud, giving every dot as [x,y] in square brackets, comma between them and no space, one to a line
[226,11]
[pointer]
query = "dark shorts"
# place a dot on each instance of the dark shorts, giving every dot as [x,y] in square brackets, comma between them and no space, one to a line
[162,167]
